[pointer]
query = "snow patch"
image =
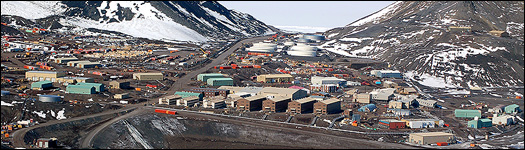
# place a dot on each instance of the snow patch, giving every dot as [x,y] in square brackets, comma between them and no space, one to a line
[60,114]
[6,104]
[41,114]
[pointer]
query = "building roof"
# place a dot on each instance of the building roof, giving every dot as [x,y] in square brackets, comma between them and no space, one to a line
[235,89]
[389,71]
[209,89]
[151,73]
[42,82]
[256,97]
[80,78]
[47,72]
[91,84]
[89,63]
[280,98]
[410,89]
[330,101]
[296,87]
[220,79]
[80,61]
[49,96]
[66,58]
[172,96]
[80,86]
[190,98]
[305,100]
[277,75]
[276,90]
[432,134]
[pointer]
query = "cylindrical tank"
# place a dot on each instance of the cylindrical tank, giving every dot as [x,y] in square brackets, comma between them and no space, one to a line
[262,47]
[302,50]
[49,98]
[314,37]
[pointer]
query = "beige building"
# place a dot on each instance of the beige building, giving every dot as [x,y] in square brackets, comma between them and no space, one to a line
[44,75]
[273,78]
[188,101]
[214,102]
[499,33]
[65,60]
[293,94]
[170,99]
[74,63]
[119,85]
[395,104]
[121,96]
[148,76]
[75,80]
[431,138]
[362,98]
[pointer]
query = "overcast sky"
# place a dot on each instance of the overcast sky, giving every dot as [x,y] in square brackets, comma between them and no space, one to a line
[322,14]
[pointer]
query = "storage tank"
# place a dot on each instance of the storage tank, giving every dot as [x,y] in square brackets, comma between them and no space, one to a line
[304,40]
[314,37]
[262,47]
[49,98]
[302,50]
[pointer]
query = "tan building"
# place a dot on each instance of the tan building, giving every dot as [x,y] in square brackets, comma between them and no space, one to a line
[148,76]
[302,105]
[214,102]
[274,78]
[74,63]
[287,92]
[188,101]
[390,84]
[499,33]
[431,138]
[407,91]
[233,89]
[65,60]
[328,106]
[44,75]
[395,104]
[75,80]
[170,99]
[119,85]
[457,29]
[251,103]
[121,96]
[362,98]
[277,104]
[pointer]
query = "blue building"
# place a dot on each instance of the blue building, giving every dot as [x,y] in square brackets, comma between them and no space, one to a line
[367,108]
[389,74]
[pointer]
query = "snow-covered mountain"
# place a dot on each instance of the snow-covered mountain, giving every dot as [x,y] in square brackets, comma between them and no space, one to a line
[171,20]
[414,37]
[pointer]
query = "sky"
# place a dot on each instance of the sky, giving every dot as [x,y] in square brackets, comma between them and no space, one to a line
[307,16]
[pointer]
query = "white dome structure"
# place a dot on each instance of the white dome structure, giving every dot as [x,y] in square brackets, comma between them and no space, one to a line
[302,50]
[262,47]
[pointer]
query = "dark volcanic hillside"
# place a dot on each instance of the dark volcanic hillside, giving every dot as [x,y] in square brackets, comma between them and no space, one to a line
[172,20]
[415,37]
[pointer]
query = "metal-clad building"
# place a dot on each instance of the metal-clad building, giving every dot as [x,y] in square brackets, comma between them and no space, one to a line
[44,75]
[170,99]
[80,89]
[121,96]
[205,76]
[327,80]
[41,85]
[275,92]
[119,85]
[75,80]
[251,103]
[503,119]
[88,65]
[215,103]
[464,113]
[430,138]
[367,108]
[512,109]
[393,124]
[99,87]
[362,98]
[302,105]
[148,76]
[220,81]
[188,101]
[74,63]
[272,78]
[49,98]
[65,60]
[426,103]
[479,123]
[188,94]
[328,106]
[277,104]
[389,74]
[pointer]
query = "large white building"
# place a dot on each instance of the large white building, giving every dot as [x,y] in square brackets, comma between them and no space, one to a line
[327,80]
[503,119]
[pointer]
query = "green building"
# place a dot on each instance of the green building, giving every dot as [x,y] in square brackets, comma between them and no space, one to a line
[81,89]
[512,109]
[204,77]
[40,85]
[99,87]
[188,94]
[220,81]
[465,113]
[480,123]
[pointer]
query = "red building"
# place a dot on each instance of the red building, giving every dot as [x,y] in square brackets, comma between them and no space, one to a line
[393,124]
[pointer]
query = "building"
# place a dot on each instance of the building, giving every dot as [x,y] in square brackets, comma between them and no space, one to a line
[390,84]
[170,99]
[99,87]
[393,124]
[148,76]
[233,89]
[287,92]
[327,80]
[479,123]
[119,85]
[396,104]
[464,113]
[399,112]
[407,91]
[427,103]
[72,80]
[74,63]
[348,112]
[302,50]
[497,110]
[367,108]
[389,74]
[121,96]
[503,119]
[499,33]
[88,65]
[362,98]
[210,92]
[351,92]
[189,94]
[46,143]
[44,75]
[277,104]
[231,101]
[214,102]
[274,78]
[262,47]
[251,103]
[189,101]
[302,105]
[330,88]
[80,89]
[383,94]
[205,76]
[456,29]
[49,98]
[328,106]
[423,123]
[220,81]
[431,138]
[314,37]
[41,85]
[64,60]
[511,109]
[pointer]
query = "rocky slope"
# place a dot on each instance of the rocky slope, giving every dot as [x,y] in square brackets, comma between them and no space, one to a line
[414,37]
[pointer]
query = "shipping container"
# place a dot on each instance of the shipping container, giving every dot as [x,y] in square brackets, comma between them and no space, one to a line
[137,89]
[256,66]
[165,111]
[151,86]
[442,143]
